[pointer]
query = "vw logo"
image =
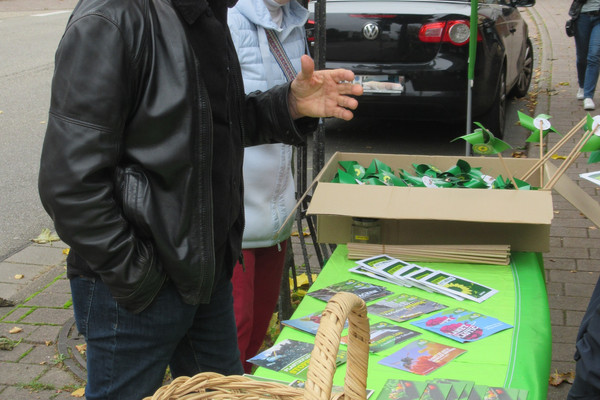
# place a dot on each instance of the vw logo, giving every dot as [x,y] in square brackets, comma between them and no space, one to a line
[370,31]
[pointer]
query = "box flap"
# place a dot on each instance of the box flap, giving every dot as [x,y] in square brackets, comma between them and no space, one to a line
[575,195]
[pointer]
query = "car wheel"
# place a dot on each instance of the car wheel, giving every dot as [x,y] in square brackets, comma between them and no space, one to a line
[522,86]
[494,119]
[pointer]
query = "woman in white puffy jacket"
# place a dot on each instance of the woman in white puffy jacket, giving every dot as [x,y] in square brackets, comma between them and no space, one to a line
[268,182]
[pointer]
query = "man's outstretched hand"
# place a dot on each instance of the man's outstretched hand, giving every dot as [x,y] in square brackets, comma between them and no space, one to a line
[324,93]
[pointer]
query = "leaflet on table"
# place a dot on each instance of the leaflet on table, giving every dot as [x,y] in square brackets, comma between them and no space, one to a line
[365,291]
[309,323]
[334,389]
[290,356]
[402,307]
[426,278]
[422,357]
[417,276]
[385,335]
[446,389]
[360,270]
[461,325]
[464,287]
[386,267]
[483,392]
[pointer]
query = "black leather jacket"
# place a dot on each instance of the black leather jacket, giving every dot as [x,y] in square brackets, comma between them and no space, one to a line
[126,163]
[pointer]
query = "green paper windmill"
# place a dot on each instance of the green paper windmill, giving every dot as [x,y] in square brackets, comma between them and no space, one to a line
[484,142]
[593,143]
[533,124]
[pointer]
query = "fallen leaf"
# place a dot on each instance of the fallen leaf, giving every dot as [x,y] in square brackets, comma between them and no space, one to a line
[563,83]
[557,157]
[593,227]
[42,122]
[557,378]
[46,237]
[16,329]
[66,251]
[6,303]
[78,393]
[48,342]
[81,348]
[19,276]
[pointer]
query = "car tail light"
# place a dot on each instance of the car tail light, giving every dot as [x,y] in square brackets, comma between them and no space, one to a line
[310,30]
[455,32]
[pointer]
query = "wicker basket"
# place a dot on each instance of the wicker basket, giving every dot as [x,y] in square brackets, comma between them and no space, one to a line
[209,385]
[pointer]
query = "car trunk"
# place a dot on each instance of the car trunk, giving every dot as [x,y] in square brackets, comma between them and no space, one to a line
[398,22]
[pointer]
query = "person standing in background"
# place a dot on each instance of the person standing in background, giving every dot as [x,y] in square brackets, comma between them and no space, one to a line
[269,38]
[586,14]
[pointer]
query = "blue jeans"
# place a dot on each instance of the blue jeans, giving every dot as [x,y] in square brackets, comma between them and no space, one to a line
[127,354]
[587,44]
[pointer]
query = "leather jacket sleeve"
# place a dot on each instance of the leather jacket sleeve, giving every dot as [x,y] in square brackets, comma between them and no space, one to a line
[268,116]
[92,91]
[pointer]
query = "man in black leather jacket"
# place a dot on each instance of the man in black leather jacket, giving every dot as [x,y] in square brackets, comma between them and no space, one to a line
[141,173]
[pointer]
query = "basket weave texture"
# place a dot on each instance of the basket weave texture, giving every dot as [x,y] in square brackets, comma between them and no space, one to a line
[342,306]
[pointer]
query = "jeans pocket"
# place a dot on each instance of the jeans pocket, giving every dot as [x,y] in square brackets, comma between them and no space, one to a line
[82,292]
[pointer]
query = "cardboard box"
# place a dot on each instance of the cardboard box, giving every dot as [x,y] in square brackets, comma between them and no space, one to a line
[415,215]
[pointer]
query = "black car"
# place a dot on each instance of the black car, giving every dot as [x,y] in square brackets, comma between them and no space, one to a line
[412,56]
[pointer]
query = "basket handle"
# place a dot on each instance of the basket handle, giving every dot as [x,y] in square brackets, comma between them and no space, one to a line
[327,342]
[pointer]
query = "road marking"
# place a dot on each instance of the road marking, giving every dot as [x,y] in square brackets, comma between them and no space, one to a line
[51,13]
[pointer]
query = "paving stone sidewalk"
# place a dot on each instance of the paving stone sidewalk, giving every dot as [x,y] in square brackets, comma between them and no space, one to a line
[39,367]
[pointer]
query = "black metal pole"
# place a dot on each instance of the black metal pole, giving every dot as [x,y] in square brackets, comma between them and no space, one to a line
[320,42]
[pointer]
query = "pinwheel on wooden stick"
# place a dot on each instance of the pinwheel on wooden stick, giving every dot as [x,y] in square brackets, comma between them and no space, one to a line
[484,142]
[589,142]
[539,127]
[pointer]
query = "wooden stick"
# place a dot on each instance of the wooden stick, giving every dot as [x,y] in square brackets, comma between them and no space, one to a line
[508,171]
[541,152]
[573,155]
[553,150]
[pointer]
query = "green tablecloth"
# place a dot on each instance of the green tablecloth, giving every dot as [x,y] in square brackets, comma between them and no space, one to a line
[518,357]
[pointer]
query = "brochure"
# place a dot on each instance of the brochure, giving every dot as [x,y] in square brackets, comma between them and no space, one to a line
[402,307]
[436,391]
[290,356]
[419,276]
[422,357]
[458,388]
[385,335]
[466,288]
[461,325]
[398,389]
[365,291]
[309,323]
[360,270]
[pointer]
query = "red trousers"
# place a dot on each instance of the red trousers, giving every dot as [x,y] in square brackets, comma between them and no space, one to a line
[255,295]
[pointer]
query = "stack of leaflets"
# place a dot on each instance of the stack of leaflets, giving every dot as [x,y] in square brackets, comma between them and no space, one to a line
[309,323]
[365,291]
[385,335]
[390,269]
[290,356]
[446,389]
[462,325]
[422,357]
[402,307]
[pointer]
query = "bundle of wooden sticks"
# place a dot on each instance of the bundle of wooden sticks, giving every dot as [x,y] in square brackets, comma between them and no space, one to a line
[475,254]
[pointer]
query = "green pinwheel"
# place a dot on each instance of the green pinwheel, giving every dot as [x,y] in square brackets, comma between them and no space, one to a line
[535,125]
[484,142]
[591,125]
